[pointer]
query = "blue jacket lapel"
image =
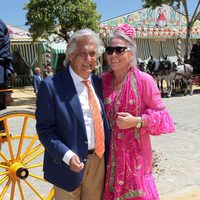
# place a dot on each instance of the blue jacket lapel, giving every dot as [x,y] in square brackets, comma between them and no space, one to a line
[72,96]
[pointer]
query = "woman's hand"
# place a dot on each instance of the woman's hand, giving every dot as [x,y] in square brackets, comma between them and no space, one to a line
[125,120]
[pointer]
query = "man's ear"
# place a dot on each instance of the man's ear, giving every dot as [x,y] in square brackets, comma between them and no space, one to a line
[70,56]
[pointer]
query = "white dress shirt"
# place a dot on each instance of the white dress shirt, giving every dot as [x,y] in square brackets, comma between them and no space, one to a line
[83,97]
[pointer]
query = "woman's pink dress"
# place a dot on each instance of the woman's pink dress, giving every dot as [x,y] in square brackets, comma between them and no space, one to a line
[129,169]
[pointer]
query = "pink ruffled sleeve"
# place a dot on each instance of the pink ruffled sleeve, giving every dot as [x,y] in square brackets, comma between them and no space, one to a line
[157,118]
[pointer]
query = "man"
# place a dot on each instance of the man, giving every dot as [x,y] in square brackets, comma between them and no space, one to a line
[196,49]
[66,123]
[36,79]
[195,56]
[48,71]
[6,68]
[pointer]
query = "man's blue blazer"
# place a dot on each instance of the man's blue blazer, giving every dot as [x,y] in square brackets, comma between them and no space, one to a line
[36,82]
[60,127]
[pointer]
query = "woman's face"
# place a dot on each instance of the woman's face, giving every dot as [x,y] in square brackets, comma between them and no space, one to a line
[118,62]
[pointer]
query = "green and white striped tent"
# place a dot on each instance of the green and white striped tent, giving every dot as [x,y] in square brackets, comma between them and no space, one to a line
[54,46]
[26,53]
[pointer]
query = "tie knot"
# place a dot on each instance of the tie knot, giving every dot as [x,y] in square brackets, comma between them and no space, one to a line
[86,83]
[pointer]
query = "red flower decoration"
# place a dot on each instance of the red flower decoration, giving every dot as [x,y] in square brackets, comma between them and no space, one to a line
[126,29]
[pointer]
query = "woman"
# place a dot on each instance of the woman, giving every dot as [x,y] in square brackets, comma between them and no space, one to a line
[135,111]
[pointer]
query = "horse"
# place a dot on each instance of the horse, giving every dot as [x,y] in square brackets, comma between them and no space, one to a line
[170,72]
[142,65]
[162,70]
[184,75]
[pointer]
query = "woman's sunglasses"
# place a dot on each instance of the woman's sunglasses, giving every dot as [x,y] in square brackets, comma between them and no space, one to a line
[118,50]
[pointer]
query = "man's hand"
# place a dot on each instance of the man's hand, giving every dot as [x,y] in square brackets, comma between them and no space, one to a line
[75,164]
[126,120]
[8,100]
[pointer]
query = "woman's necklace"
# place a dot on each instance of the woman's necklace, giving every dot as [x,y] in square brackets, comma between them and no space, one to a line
[115,100]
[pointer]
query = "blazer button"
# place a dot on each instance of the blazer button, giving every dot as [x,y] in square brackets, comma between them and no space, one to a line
[84,161]
[86,142]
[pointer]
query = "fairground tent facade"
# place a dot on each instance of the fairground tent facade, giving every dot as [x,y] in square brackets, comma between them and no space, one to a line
[159,32]
[28,54]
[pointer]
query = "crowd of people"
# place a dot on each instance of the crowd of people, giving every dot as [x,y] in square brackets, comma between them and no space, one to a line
[37,76]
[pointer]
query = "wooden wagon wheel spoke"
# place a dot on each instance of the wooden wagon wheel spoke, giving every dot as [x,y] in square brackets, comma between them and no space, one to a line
[29,148]
[21,158]
[37,177]
[4,158]
[22,138]
[35,149]
[39,146]
[34,156]
[4,179]
[20,189]
[33,188]
[13,190]
[8,139]
[5,189]
[34,166]
[4,173]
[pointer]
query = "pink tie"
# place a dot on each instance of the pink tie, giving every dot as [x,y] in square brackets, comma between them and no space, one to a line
[97,121]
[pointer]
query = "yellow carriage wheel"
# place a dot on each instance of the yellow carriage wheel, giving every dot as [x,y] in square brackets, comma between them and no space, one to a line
[21,157]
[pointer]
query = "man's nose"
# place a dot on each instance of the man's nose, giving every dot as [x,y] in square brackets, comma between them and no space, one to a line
[88,57]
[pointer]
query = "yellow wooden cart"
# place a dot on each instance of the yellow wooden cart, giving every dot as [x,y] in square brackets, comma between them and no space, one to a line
[21,158]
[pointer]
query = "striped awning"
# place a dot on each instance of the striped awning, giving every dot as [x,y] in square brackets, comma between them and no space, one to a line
[28,51]
[58,47]
[147,47]
[18,34]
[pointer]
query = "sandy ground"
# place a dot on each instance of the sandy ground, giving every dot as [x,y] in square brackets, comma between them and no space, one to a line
[24,98]
[174,181]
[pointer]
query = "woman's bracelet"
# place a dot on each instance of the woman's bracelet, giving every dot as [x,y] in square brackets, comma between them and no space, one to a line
[140,122]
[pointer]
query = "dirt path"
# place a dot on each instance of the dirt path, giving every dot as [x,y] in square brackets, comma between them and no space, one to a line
[178,171]
[24,98]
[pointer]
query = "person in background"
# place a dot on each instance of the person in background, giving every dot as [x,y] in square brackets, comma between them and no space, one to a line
[48,71]
[135,111]
[195,56]
[71,123]
[6,69]
[36,79]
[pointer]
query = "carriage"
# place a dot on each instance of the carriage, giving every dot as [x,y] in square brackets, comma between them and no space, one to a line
[21,157]
[178,76]
[196,79]
[196,69]
[21,153]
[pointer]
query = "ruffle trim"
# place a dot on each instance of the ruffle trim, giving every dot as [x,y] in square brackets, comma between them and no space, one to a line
[158,122]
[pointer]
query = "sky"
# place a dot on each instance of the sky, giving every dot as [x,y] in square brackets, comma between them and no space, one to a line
[13,13]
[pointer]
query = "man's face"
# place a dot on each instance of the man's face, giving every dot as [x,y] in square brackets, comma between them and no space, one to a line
[48,68]
[37,71]
[84,58]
